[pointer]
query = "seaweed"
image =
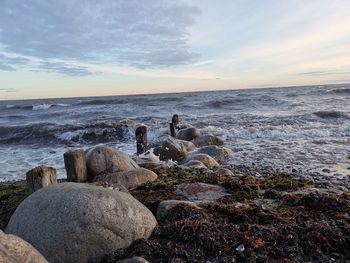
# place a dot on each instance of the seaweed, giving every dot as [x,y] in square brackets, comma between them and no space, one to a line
[11,195]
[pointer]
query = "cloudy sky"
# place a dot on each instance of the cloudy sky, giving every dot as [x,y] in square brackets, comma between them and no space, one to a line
[85,48]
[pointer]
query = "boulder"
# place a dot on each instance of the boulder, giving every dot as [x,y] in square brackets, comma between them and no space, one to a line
[193,164]
[129,179]
[201,191]
[133,260]
[189,146]
[220,154]
[188,134]
[16,250]
[208,139]
[207,160]
[165,206]
[171,149]
[39,177]
[75,164]
[103,159]
[77,222]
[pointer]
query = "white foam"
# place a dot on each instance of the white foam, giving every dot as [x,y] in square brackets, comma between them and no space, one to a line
[42,106]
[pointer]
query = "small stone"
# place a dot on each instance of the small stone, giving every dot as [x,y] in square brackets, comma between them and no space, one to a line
[188,134]
[201,191]
[207,160]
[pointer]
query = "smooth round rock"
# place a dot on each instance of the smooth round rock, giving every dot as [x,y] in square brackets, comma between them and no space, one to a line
[188,134]
[189,146]
[103,159]
[193,164]
[77,222]
[220,154]
[207,160]
[171,149]
[15,249]
[129,179]
[208,139]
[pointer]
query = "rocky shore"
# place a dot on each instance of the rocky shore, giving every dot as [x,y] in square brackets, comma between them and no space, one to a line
[115,208]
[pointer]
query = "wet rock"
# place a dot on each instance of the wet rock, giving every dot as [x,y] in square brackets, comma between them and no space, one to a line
[220,154]
[15,250]
[103,159]
[128,179]
[188,134]
[193,164]
[165,206]
[75,222]
[75,164]
[201,191]
[189,146]
[207,160]
[208,139]
[40,177]
[171,149]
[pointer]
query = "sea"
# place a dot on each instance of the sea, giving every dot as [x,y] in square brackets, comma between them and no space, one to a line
[304,129]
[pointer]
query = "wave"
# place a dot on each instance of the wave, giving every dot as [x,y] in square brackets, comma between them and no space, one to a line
[43,106]
[48,133]
[332,115]
[345,91]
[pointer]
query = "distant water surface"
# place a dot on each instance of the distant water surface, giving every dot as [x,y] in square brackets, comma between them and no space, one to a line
[303,128]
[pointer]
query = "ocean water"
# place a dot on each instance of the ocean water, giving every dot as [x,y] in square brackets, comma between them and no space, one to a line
[303,128]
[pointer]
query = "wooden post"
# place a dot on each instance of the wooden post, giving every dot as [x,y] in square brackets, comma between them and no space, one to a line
[75,163]
[172,130]
[40,177]
[141,139]
[173,125]
[175,120]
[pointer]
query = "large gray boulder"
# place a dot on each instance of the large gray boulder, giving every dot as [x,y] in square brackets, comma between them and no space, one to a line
[103,159]
[188,134]
[77,222]
[15,250]
[219,153]
[171,149]
[208,139]
[129,179]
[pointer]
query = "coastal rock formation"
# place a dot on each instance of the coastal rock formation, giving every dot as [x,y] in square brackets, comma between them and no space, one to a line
[39,177]
[165,206]
[15,250]
[103,159]
[207,160]
[171,149]
[208,139]
[129,179]
[75,164]
[201,191]
[75,222]
[188,134]
[220,154]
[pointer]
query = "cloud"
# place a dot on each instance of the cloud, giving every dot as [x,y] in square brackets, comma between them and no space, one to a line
[8,63]
[64,69]
[142,34]
[8,90]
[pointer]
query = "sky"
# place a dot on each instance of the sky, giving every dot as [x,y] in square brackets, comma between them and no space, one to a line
[73,48]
